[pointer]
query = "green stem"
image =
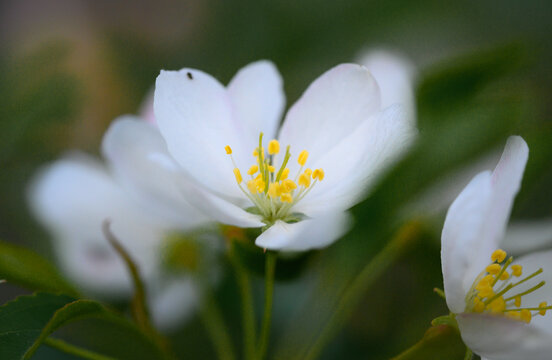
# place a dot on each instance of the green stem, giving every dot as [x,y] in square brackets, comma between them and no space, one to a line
[364,279]
[248,310]
[214,324]
[469,354]
[74,350]
[270,267]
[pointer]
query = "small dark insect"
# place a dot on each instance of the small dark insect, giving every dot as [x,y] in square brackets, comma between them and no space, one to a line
[190,75]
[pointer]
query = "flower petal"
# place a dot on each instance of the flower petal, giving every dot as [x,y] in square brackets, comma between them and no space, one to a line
[506,182]
[138,156]
[394,74]
[332,107]
[461,244]
[173,302]
[306,234]
[500,338]
[358,160]
[257,94]
[72,198]
[528,236]
[194,113]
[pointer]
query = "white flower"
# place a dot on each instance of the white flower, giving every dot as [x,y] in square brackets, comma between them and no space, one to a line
[499,303]
[73,197]
[337,128]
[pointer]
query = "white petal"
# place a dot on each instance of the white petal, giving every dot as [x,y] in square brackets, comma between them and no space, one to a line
[173,302]
[506,182]
[528,236]
[257,94]
[331,108]
[138,156]
[72,198]
[531,263]
[394,74]
[219,209]
[195,116]
[461,244]
[500,338]
[353,165]
[306,234]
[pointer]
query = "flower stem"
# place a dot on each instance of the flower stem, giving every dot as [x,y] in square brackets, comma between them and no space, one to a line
[469,354]
[74,350]
[270,267]
[363,280]
[248,310]
[214,324]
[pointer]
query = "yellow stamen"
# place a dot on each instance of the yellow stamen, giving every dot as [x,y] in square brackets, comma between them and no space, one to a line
[517,301]
[478,305]
[228,149]
[494,269]
[285,174]
[525,315]
[271,168]
[303,156]
[498,305]
[504,276]
[498,255]
[318,174]
[308,172]
[238,176]
[252,187]
[516,270]
[252,170]
[541,306]
[289,185]
[304,180]
[273,147]
[274,190]
[285,197]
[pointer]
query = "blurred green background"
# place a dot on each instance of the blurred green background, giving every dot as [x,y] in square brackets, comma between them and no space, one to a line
[68,68]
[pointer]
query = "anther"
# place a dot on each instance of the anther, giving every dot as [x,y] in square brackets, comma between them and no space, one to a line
[238,176]
[273,147]
[304,180]
[252,170]
[516,270]
[318,174]
[228,149]
[493,269]
[303,156]
[498,255]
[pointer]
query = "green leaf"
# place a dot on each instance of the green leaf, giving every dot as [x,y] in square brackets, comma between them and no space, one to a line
[24,267]
[439,342]
[28,320]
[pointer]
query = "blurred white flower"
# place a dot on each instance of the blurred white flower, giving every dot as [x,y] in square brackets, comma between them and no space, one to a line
[499,305]
[72,198]
[339,120]
[395,75]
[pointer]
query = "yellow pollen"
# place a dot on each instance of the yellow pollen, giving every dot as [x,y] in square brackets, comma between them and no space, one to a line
[304,180]
[478,305]
[228,149]
[273,147]
[504,276]
[285,197]
[318,174]
[542,306]
[525,315]
[308,172]
[289,185]
[492,291]
[303,156]
[498,305]
[271,168]
[285,174]
[252,170]
[274,190]
[516,270]
[498,255]
[252,186]
[238,176]
[493,269]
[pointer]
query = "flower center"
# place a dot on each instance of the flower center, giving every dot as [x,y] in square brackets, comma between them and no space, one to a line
[493,290]
[271,191]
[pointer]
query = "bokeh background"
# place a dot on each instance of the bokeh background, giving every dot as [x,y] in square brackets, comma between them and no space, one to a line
[69,67]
